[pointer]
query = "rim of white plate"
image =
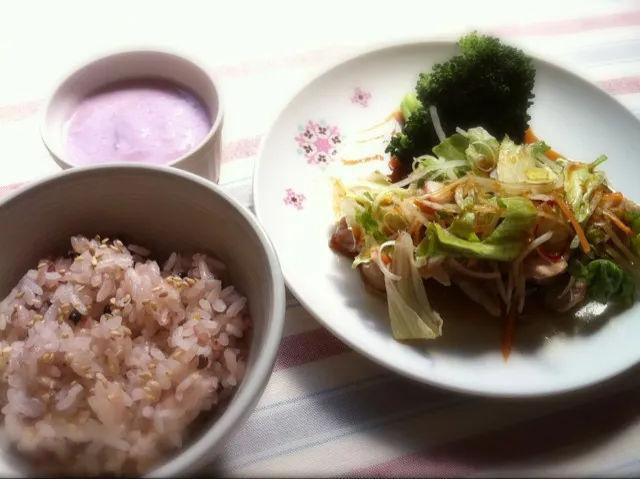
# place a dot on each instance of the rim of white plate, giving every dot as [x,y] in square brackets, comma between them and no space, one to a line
[448,39]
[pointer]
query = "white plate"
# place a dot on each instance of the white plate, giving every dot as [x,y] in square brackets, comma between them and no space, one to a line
[292,195]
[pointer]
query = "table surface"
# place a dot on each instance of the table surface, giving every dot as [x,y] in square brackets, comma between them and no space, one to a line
[328,411]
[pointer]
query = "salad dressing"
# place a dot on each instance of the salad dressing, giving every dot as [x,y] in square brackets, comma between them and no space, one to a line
[490,234]
[367,140]
[366,159]
[394,116]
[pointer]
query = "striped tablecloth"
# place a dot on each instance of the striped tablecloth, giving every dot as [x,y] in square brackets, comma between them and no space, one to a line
[327,411]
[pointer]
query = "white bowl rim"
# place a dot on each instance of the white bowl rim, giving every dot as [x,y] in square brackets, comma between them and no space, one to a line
[253,385]
[448,39]
[216,123]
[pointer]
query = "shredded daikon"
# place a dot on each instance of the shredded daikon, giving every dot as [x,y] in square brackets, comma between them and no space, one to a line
[474,274]
[543,238]
[440,206]
[377,257]
[618,242]
[541,197]
[436,123]
[595,201]
[446,166]
[500,285]
[567,288]
[459,196]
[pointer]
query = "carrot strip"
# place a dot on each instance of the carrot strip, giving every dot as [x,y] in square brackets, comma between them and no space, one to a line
[509,333]
[612,197]
[385,258]
[424,208]
[572,219]
[616,221]
[530,137]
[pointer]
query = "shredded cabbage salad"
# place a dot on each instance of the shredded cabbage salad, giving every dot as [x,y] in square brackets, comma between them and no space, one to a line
[495,219]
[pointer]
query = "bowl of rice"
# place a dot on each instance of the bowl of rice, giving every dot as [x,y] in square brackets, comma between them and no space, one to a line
[141,309]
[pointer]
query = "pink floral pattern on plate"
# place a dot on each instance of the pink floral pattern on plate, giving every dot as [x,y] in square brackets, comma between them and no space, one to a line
[294,199]
[361,97]
[318,142]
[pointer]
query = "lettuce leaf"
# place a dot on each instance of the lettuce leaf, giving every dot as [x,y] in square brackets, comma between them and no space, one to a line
[504,244]
[519,219]
[606,281]
[633,217]
[443,243]
[635,244]
[410,313]
[438,169]
[462,226]
[409,104]
[580,181]
[519,164]
[365,219]
[366,251]
[452,148]
[483,149]
[539,148]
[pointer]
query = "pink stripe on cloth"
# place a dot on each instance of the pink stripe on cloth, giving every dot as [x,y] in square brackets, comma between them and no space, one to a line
[9,188]
[307,347]
[240,149]
[514,443]
[574,25]
[21,111]
[621,86]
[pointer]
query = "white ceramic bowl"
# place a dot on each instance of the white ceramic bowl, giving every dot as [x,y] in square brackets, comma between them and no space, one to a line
[168,210]
[204,160]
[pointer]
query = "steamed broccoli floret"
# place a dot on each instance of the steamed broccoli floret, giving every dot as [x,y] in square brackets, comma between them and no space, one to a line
[489,84]
[416,138]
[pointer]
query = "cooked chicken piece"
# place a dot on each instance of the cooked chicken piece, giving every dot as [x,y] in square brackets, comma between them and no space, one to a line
[562,234]
[373,278]
[432,187]
[343,240]
[479,294]
[436,271]
[540,269]
[555,300]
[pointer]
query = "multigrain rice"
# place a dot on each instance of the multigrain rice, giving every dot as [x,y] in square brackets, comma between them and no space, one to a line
[107,358]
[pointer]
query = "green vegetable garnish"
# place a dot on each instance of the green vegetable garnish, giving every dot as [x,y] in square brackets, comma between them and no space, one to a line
[520,164]
[504,244]
[633,217]
[453,148]
[606,281]
[462,227]
[409,105]
[369,224]
[482,152]
[579,184]
[488,83]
